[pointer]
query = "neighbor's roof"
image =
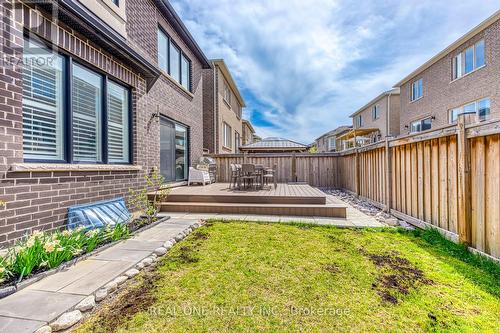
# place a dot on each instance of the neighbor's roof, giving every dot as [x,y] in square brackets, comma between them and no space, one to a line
[336,131]
[275,143]
[249,124]
[168,11]
[394,91]
[483,25]
[229,78]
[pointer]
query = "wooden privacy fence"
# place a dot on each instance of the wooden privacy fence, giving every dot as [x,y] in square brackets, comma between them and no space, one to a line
[448,178]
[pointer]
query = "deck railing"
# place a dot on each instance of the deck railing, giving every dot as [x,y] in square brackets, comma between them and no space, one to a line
[448,178]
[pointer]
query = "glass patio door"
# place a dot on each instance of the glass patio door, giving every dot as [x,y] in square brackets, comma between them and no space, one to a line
[173,151]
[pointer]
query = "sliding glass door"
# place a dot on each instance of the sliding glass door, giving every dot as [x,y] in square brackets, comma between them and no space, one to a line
[174,143]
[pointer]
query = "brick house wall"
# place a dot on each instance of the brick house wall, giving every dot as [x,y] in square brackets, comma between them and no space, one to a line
[208,111]
[221,111]
[385,128]
[441,93]
[37,196]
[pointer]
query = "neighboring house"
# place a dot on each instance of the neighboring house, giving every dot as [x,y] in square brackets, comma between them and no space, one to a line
[376,120]
[108,91]
[328,142]
[463,78]
[275,145]
[248,133]
[222,110]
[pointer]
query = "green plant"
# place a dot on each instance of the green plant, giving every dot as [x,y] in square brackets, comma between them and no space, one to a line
[27,255]
[4,271]
[92,239]
[139,199]
[117,232]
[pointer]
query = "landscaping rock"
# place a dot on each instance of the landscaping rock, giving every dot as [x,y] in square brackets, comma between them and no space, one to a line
[121,279]
[195,225]
[139,266]
[160,251]
[179,237]
[111,286]
[173,240]
[44,329]
[147,261]
[67,320]
[87,304]
[131,272]
[168,245]
[101,294]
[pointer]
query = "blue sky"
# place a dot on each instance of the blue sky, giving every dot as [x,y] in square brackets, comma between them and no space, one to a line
[304,66]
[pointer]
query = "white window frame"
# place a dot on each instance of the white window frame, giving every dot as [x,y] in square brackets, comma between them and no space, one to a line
[227,135]
[461,110]
[376,112]
[416,94]
[359,121]
[458,61]
[332,143]
[227,94]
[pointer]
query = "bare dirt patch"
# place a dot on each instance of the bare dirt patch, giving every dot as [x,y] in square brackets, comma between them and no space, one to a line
[332,268]
[397,275]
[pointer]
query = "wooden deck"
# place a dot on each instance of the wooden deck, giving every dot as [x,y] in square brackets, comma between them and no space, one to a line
[286,199]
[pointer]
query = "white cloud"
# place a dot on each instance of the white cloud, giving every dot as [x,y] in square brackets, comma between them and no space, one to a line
[305,66]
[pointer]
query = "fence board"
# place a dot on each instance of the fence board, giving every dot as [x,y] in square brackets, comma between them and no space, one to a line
[423,177]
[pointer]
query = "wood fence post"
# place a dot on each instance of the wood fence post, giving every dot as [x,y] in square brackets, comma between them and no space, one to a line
[356,171]
[464,183]
[388,177]
[294,168]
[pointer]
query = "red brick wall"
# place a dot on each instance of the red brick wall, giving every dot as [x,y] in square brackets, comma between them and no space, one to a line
[39,200]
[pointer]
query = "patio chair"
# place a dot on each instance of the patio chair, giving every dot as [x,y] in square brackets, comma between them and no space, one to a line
[248,174]
[269,175]
[198,176]
[235,176]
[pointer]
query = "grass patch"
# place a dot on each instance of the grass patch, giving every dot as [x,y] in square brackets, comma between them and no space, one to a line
[248,277]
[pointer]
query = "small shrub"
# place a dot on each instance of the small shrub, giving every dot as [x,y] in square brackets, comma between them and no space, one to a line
[138,199]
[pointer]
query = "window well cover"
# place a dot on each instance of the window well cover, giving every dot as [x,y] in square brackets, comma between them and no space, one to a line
[98,214]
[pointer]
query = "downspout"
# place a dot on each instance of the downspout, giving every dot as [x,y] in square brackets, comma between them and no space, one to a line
[388,122]
[216,114]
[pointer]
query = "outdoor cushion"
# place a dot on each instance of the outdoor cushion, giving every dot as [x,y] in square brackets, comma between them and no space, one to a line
[98,214]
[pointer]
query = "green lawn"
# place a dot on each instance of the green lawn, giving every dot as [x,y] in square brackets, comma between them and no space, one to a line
[249,277]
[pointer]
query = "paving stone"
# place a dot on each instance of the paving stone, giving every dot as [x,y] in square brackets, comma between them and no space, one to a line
[62,279]
[26,304]
[121,279]
[17,325]
[160,251]
[96,279]
[66,321]
[122,255]
[139,244]
[87,304]
[101,294]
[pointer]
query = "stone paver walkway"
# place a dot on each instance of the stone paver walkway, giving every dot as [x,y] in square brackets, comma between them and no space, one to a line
[44,301]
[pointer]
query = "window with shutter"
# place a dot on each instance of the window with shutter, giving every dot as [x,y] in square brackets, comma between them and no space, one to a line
[43,118]
[118,123]
[87,114]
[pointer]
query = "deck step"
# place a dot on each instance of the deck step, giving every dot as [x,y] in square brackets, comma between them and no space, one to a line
[329,210]
[250,199]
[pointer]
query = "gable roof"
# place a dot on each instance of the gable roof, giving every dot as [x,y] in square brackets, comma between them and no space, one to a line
[275,143]
[249,124]
[229,78]
[336,131]
[394,91]
[480,27]
[168,11]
